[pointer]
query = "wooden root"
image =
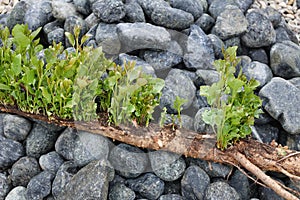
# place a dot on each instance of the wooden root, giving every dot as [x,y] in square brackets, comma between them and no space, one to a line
[254,156]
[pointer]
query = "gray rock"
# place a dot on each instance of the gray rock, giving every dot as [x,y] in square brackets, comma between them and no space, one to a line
[194,183]
[91,182]
[281,35]
[65,144]
[273,14]
[171,197]
[139,63]
[291,34]
[150,6]
[92,20]
[199,125]
[1,124]
[17,14]
[230,23]
[217,7]
[166,165]
[23,170]
[258,71]
[39,186]
[5,185]
[142,36]
[268,193]
[267,132]
[107,37]
[214,170]
[38,14]
[199,50]
[293,142]
[234,41]
[89,147]
[173,187]
[205,22]
[51,161]
[285,59]
[260,30]
[220,191]
[120,191]
[64,174]
[40,141]
[57,36]
[259,55]
[62,10]
[217,44]
[295,81]
[51,126]
[190,6]
[128,161]
[134,12]
[51,26]
[172,18]
[161,60]
[16,127]
[17,193]
[281,102]
[10,152]
[147,185]
[83,6]
[177,84]
[240,183]
[207,77]
[244,5]
[109,11]
[199,103]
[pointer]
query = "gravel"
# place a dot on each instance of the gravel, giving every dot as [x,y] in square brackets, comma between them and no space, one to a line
[43,161]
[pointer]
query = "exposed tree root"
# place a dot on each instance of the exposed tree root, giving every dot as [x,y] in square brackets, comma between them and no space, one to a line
[254,156]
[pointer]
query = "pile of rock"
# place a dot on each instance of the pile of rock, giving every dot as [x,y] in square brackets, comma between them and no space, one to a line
[176,40]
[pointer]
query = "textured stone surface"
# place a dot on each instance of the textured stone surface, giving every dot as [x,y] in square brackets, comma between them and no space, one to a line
[205,22]
[90,147]
[51,161]
[64,174]
[171,197]
[38,14]
[40,141]
[240,183]
[285,59]
[142,36]
[258,71]
[107,37]
[148,186]
[190,6]
[260,30]
[10,152]
[128,160]
[39,186]
[62,10]
[194,183]
[17,193]
[91,182]
[120,191]
[230,23]
[167,166]
[221,191]
[150,6]
[139,63]
[217,7]
[5,185]
[199,50]
[134,12]
[16,127]
[207,77]
[199,125]
[267,132]
[83,6]
[281,102]
[23,170]
[65,144]
[109,10]
[177,84]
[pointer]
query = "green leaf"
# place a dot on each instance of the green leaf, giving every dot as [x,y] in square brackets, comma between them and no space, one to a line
[4,87]
[46,94]
[16,65]
[70,38]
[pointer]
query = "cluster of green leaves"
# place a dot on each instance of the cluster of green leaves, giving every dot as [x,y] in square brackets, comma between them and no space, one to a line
[134,94]
[65,84]
[234,104]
